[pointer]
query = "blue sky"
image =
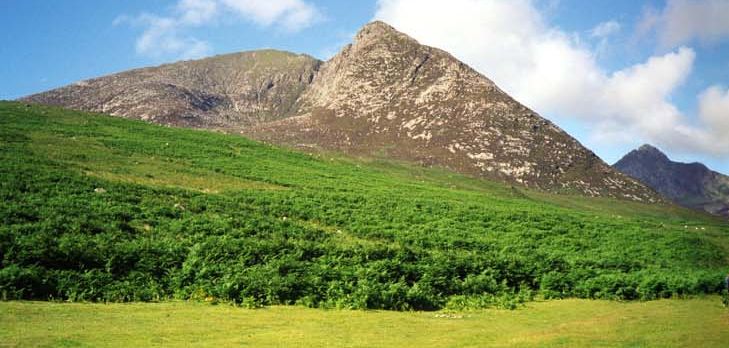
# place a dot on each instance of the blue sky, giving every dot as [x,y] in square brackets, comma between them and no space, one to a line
[615,74]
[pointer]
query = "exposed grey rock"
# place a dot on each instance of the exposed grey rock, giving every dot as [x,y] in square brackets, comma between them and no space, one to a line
[230,90]
[386,94]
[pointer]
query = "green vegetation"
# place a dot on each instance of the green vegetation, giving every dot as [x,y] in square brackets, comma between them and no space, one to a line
[96,208]
[559,323]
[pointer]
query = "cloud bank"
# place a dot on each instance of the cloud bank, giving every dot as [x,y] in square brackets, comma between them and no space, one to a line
[557,73]
[684,21]
[167,36]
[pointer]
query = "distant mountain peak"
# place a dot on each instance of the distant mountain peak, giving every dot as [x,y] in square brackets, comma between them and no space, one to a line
[649,148]
[689,184]
[649,151]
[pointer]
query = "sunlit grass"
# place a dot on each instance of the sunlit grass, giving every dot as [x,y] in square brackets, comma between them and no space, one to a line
[93,158]
[570,323]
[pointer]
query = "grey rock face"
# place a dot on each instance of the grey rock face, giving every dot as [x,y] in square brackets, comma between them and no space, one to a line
[692,185]
[387,94]
[383,95]
[237,89]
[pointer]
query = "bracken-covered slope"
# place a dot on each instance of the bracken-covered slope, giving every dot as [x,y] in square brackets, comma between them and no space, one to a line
[692,185]
[97,208]
[387,94]
[237,89]
[383,95]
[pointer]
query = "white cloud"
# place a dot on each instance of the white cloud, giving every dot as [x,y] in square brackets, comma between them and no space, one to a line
[714,113]
[714,108]
[161,38]
[293,15]
[635,101]
[168,36]
[555,73]
[605,29]
[683,21]
[196,12]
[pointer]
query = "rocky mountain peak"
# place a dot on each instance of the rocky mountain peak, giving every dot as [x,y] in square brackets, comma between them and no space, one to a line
[647,150]
[383,65]
[377,30]
[386,94]
[689,184]
[380,38]
[383,95]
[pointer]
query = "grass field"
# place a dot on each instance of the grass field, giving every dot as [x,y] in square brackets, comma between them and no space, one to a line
[560,323]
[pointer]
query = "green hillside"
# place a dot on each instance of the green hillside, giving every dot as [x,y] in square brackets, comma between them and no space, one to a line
[106,209]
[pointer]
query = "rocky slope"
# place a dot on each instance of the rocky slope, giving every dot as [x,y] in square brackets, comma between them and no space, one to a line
[692,185]
[237,89]
[386,94]
[383,95]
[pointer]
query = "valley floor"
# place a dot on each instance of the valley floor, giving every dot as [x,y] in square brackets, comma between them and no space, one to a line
[701,322]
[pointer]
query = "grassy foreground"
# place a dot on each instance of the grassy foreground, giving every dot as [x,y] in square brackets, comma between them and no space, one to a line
[97,208]
[586,323]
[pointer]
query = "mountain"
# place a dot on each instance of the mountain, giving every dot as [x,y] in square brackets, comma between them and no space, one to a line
[225,91]
[383,95]
[692,185]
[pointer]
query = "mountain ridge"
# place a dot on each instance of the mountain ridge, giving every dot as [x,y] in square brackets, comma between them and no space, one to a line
[692,185]
[220,91]
[384,94]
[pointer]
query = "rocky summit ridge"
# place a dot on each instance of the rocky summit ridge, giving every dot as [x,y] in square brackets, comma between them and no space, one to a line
[382,95]
[231,90]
